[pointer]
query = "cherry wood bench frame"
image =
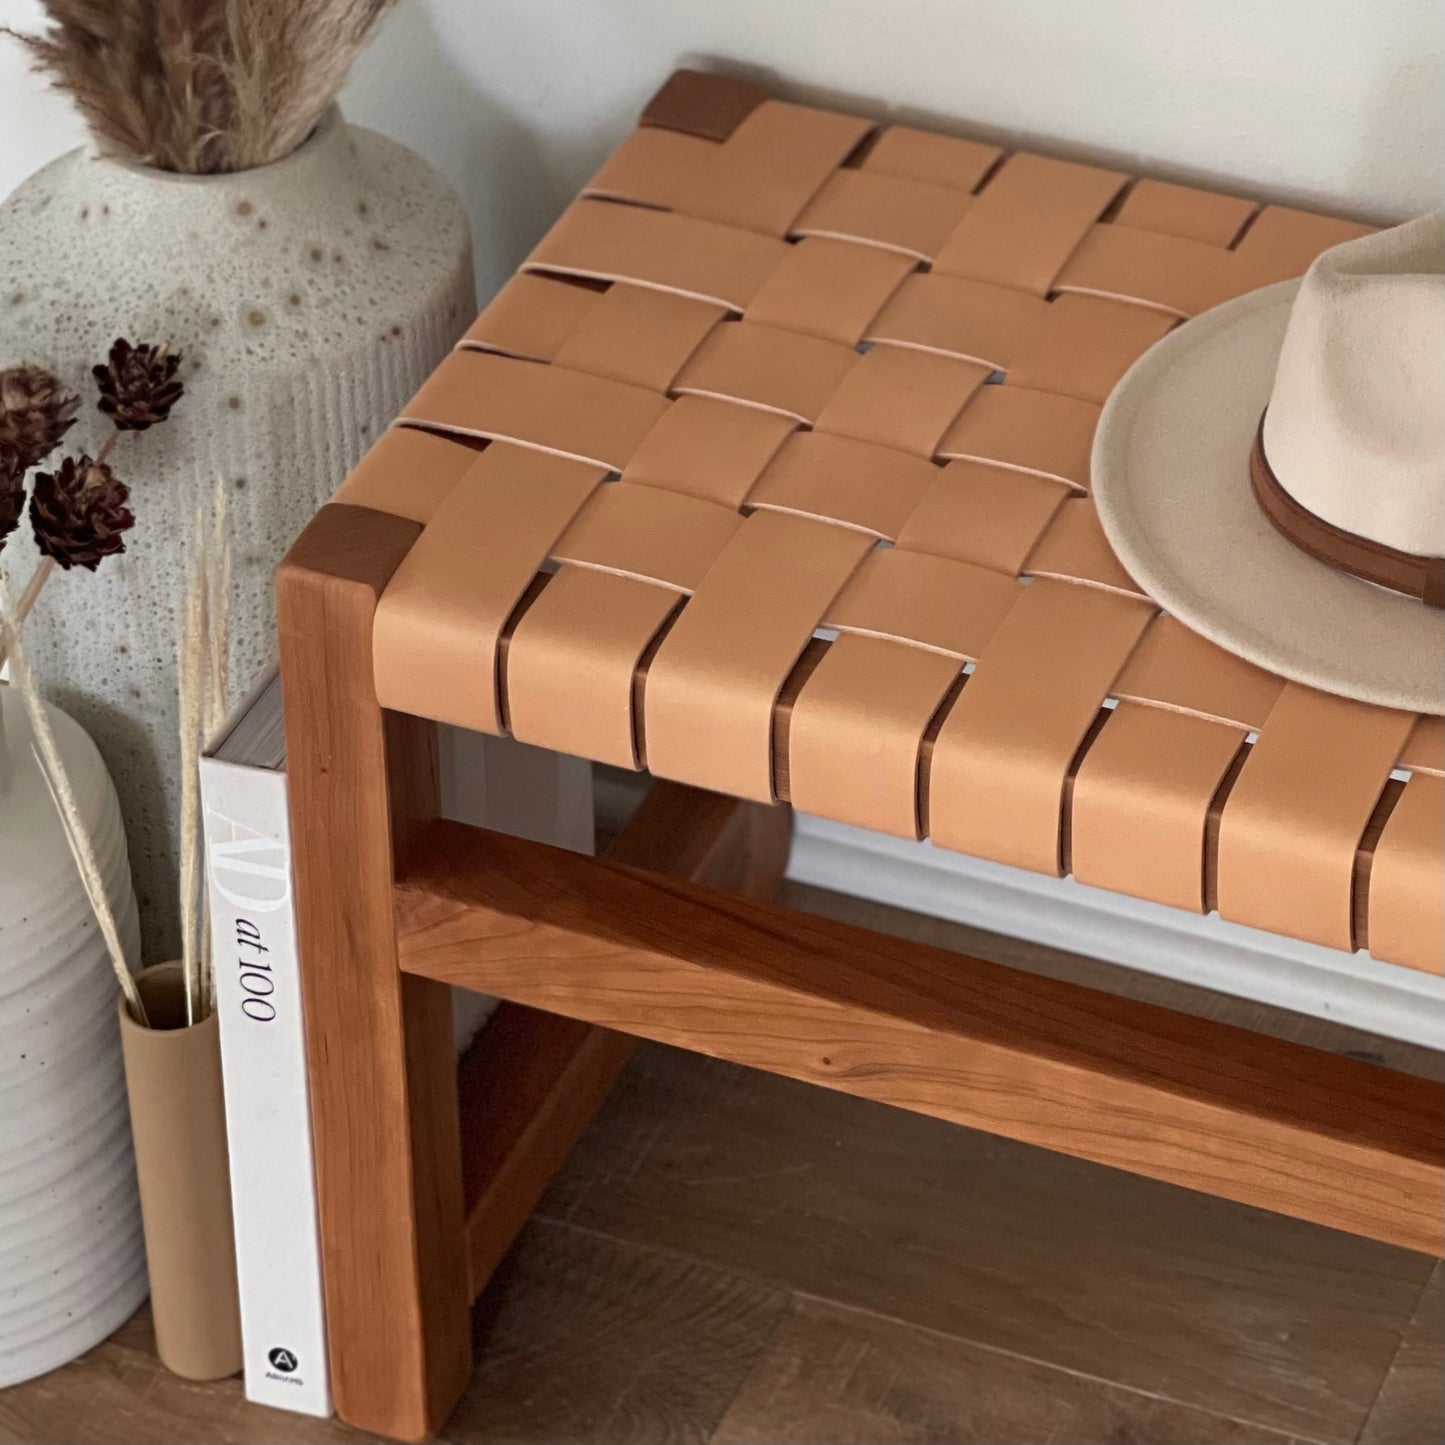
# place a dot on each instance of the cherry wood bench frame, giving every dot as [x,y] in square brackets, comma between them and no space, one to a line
[423,1184]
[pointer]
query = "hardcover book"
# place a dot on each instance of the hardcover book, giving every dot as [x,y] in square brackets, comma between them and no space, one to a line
[484,780]
[263,1058]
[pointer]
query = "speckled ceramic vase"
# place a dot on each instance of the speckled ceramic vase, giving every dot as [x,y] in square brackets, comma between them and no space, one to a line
[72,1264]
[310,299]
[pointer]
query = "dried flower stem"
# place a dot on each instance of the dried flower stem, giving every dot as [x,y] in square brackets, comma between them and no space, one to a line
[218,637]
[28,598]
[220,651]
[77,836]
[190,671]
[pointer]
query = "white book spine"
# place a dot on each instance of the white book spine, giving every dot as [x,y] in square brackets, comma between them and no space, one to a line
[263,1060]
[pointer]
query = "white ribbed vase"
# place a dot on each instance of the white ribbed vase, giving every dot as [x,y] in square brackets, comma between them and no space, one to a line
[72,1262]
[310,299]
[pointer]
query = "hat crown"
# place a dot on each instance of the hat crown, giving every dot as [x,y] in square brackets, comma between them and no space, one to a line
[1355,430]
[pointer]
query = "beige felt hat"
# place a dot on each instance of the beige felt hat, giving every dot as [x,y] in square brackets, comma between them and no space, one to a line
[1273,472]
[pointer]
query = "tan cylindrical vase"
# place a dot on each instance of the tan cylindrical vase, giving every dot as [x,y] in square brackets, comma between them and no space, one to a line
[173,1076]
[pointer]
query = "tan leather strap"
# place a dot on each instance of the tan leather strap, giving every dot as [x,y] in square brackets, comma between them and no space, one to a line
[1422,577]
[769,472]
[698,103]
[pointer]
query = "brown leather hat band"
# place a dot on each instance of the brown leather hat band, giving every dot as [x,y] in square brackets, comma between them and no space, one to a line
[1422,577]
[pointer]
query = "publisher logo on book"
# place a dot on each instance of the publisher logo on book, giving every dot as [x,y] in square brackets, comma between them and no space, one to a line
[284,1365]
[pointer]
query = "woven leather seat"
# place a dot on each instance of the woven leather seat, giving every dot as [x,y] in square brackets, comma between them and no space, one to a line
[769,472]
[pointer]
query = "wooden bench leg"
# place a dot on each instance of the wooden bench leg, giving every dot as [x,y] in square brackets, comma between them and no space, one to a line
[402,1256]
[382,1063]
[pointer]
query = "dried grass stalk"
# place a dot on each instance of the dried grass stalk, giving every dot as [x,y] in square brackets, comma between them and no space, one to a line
[191,673]
[77,835]
[204,648]
[201,86]
[218,679]
[219,650]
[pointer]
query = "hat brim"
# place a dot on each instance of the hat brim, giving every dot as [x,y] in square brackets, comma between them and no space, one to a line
[1170,476]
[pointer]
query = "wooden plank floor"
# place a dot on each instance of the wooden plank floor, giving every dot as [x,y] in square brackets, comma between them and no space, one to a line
[732,1257]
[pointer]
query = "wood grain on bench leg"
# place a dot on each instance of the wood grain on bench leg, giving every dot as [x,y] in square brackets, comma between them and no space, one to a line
[383,1086]
[533,1080]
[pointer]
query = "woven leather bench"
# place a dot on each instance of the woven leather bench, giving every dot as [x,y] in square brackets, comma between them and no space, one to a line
[768,473]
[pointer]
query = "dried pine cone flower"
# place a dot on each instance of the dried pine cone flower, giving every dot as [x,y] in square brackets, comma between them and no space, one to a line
[78,513]
[12,493]
[36,410]
[138,385]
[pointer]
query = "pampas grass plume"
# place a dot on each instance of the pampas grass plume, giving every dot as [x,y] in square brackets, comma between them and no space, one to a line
[201,86]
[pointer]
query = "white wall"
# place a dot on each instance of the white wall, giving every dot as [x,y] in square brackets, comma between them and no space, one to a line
[1336,103]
